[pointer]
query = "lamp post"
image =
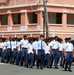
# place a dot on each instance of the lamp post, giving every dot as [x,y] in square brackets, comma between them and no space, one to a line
[46,18]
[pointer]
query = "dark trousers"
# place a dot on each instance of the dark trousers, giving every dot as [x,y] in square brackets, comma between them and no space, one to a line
[9,56]
[55,57]
[30,59]
[40,58]
[18,58]
[35,57]
[69,59]
[51,61]
[0,52]
[62,57]
[4,54]
[47,60]
[15,54]
[23,56]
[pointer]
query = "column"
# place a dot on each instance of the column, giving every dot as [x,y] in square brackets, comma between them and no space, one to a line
[23,17]
[40,19]
[10,19]
[64,20]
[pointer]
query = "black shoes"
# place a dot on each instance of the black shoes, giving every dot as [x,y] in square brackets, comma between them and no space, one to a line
[70,70]
[56,68]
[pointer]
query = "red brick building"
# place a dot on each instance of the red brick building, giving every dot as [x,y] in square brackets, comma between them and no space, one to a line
[18,17]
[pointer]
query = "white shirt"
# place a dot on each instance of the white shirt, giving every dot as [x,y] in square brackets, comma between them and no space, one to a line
[47,50]
[69,47]
[64,44]
[18,45]
[14,45]
[0,44]
[34,45]
[9,44]
[24,43]
[30,48]
[39,45]
[60,46]
[4,45]
[54,44]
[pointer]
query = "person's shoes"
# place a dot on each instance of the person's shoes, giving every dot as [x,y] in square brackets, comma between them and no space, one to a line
[41,68]
[65,69]
[70,70]
[31,67]
[2,61]
[61,65]
[48,67]
[56,68]
[21,64]
[37,67]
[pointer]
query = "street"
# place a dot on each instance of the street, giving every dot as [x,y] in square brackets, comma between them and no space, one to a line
[7,69]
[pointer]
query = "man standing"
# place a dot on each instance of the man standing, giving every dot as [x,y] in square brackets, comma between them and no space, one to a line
[54,47]
[9,50]
[68,52]
[24,47]
[41,45]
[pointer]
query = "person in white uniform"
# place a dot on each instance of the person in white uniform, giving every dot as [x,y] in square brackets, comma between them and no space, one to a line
[61,53]
[30,54]
[69,53]
[47,55]
[24,46]
[54,46]
[4,52]
[41,46]
[9,50]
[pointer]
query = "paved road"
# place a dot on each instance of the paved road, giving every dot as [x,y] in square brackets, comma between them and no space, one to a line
[7,69]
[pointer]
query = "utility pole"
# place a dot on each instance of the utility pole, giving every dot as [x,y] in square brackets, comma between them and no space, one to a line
[46,17]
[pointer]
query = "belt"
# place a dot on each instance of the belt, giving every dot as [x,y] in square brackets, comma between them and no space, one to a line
[14,48]
[24,48]
[8,48]
[68,52]
[40,49]
[54,49]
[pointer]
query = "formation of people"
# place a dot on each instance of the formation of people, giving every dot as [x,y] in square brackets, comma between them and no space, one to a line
[37,52]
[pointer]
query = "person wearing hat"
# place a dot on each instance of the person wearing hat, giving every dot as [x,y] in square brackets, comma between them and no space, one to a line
[69,53]
[41,45]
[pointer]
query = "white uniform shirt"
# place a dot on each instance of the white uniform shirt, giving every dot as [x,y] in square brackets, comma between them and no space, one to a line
[0,44]
[54,44]
[69,47]
[30,48]
[9,44]
[47,50]
[39,45]
[24,43]
[4,45]
[18,45]
[64,44]
[34,45]
[60,46]
[14,45]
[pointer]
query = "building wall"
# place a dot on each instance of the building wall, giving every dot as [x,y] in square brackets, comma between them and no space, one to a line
[34,29]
